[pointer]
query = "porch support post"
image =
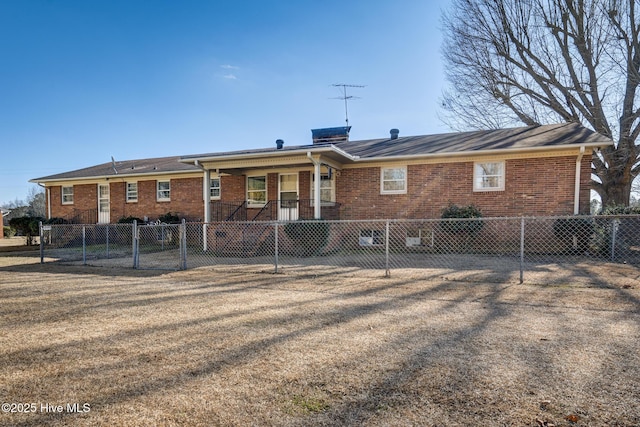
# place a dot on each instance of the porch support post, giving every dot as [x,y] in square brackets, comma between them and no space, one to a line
[316,186]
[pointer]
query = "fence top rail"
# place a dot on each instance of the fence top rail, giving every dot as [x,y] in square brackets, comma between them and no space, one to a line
[426,220]
[364,221]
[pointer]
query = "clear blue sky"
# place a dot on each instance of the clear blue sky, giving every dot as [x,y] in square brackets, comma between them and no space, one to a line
[81,81]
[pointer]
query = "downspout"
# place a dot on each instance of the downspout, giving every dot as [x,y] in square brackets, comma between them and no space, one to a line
[576,195]
[316,186]
[206,190]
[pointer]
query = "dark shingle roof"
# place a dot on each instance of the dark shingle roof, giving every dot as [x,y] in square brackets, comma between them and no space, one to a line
[532,137]
[126,168]
[523,138]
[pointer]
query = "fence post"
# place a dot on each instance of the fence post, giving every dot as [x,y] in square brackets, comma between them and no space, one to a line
[276,248]
[386,251]
[107,225]
[84,245]
[134,242]
[183,245]
[204,237]
[41,232]
[614,232]
[521,250]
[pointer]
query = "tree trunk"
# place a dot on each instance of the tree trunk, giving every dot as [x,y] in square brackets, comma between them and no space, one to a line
[616,190]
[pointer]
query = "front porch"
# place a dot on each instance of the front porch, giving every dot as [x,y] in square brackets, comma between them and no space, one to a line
[273,210]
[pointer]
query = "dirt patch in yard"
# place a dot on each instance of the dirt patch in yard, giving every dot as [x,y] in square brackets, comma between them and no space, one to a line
[313,346]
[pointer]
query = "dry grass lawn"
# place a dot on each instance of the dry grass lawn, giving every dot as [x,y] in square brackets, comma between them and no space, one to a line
[208,346]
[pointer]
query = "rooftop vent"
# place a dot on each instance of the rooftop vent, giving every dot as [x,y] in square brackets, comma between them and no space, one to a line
[330,135]
[394,133]
[279,144]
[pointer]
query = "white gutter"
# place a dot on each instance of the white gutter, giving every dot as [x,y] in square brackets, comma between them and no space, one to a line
[122,176]
[263,154]
[476,153]
[576,194]
[316,186]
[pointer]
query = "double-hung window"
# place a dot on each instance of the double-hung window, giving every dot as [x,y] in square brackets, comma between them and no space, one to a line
[256,191]
[67,195]
[393,180]
[163,191]
[132,192]
[327,190]
[488,176]
[214,188]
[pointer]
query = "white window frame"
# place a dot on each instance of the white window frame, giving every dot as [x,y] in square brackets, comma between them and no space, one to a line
[129,194]
[481,180]
[371,237]
[251,203]
[160,192]
[213,188]
[66,197]
[324,177]
[383,180]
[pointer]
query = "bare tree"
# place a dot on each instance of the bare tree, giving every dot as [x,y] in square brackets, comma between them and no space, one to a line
[546,61]
[36,202]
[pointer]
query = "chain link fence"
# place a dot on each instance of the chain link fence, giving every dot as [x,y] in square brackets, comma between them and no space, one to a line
[536,249]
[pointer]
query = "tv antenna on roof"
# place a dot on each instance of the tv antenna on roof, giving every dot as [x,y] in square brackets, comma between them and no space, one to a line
[346,97]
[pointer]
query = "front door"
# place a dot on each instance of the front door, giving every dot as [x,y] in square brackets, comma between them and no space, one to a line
[288,197]
[103,204]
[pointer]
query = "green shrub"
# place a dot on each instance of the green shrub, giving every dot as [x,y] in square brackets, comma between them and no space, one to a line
[457,212]
[620,210]
[169,218]
[8,232]
[129,220]
[308,236]
[55,220]
[565,229]
[28,226]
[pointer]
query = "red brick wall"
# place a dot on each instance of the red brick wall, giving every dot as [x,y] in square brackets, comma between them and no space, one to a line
[186,200]
[232,188]
[540,186]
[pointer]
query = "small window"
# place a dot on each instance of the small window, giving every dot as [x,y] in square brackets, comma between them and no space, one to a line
[132,191]
[256,191]
[371,237]
[164,191]
[488,176]
[393,180]
[67,195]
[214,188]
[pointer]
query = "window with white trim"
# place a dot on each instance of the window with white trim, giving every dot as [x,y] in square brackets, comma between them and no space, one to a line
[132,192]
[327,189]
[67,195]
[163,193]
[214,188]
[488,176]
[256,191]
[371,237]
[393,180]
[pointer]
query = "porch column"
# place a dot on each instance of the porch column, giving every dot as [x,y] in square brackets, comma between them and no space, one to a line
[206,195]
[316,191]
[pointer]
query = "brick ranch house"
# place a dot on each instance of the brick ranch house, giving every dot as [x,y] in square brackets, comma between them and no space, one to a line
[531,171]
